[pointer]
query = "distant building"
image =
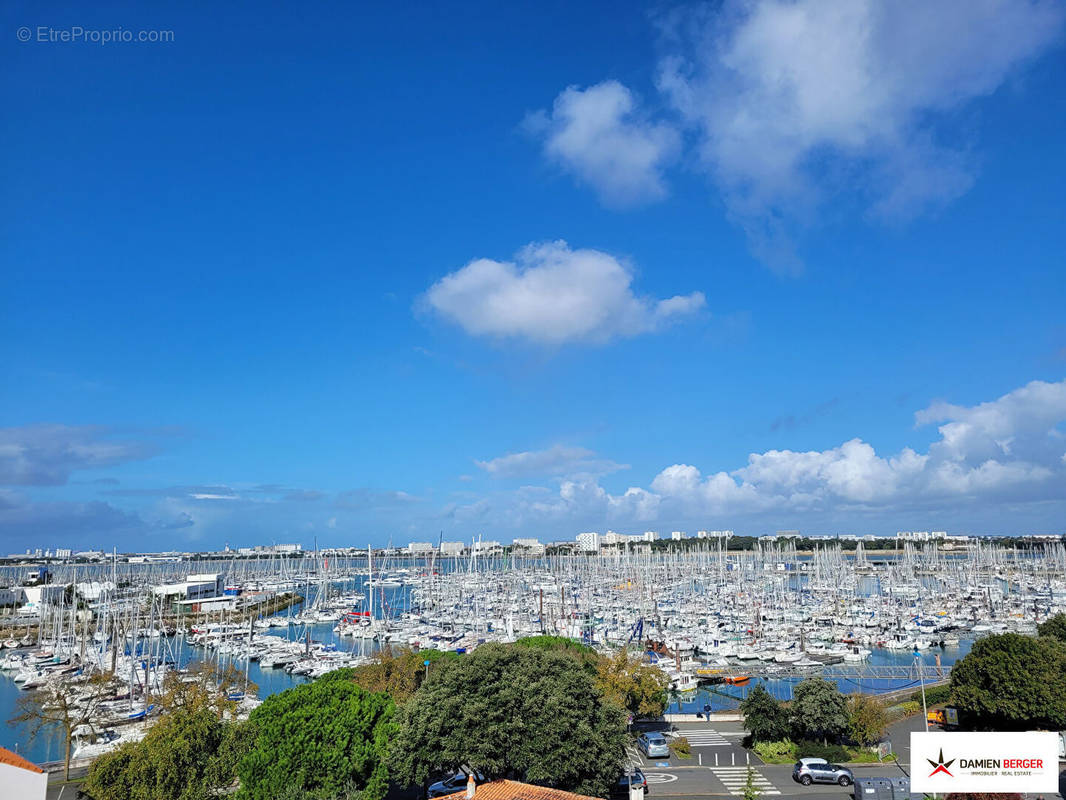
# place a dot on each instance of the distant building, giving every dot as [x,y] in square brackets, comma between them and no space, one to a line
[420,548]
[650,536]
[194,589]
[452,548]
[701,534]
[530,546]
[588,542]
[613,537]
[677,536]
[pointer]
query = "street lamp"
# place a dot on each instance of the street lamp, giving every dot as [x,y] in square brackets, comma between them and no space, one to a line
[921,679]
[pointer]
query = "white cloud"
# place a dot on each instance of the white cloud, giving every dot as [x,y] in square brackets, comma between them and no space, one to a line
[551,295]
[998,454]
[986,452]
[597,135]
[793,100]
[556,460]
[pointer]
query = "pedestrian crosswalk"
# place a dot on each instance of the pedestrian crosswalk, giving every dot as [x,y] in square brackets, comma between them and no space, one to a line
[704,737]
[735,778]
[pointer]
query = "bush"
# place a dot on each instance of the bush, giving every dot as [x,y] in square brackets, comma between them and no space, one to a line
[934,695]
[911,707]
[681,747]
[782,752]
[787,752]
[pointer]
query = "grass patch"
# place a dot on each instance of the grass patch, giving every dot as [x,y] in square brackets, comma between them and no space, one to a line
[681,747]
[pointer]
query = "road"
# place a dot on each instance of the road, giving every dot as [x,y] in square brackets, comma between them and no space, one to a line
[719,765]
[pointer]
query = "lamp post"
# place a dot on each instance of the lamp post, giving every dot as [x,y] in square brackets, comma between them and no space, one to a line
[921,679]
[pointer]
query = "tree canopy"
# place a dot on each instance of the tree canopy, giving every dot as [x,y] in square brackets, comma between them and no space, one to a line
[514,712]
[1012,682]
[174,761]
[1054,627]
[818,710]
[867,719]
[320,738]
[764,718]
[397,673]
[632,685]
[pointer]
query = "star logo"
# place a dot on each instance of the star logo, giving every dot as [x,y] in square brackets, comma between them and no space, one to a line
[940,765]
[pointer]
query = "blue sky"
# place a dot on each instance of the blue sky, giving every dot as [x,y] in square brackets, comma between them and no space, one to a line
[372,273]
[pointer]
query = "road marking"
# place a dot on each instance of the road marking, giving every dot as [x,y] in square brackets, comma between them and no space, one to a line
[659,777]
[704,737]
[736,778]
[635,753]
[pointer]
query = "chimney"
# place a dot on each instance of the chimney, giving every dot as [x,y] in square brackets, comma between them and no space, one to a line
[471,787]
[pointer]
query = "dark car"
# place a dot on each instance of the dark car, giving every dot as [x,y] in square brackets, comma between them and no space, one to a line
[818,770]
[452,784]
[621,786]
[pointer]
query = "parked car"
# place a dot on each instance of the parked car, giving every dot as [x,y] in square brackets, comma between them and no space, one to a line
[818,770]
[621,786]
[453,783]
[653,745]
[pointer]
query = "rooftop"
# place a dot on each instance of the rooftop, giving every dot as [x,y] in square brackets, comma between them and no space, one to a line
[516,790]
[15,760]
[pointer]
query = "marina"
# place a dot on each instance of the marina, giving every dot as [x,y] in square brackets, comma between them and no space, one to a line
[716,622]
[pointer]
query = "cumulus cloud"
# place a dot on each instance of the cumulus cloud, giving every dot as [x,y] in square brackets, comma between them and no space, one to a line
[598,135]
[1001,454]
[789,103]
[556,460]
[552,295]
[46,455]
[785,93]
[1009,448]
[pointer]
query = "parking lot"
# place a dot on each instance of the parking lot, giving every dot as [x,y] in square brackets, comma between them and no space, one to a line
[718,767]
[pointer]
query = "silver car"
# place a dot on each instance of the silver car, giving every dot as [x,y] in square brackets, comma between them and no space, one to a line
[818,770]
[654,745]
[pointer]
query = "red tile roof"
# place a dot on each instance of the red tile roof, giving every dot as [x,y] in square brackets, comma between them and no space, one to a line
[516,790]
[15,760]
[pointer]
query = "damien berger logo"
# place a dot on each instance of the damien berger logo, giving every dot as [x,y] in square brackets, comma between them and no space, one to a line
[999,761]
[939,765]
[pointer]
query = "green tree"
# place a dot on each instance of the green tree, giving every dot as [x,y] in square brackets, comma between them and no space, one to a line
[632,685]
[764,718]
[397,673]
[1012,682]
[867,719]
[172,762]
[512,712]
[1054,627]
[818,710]
[319,738]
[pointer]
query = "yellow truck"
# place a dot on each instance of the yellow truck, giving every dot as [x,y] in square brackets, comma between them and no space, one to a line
[944,717]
